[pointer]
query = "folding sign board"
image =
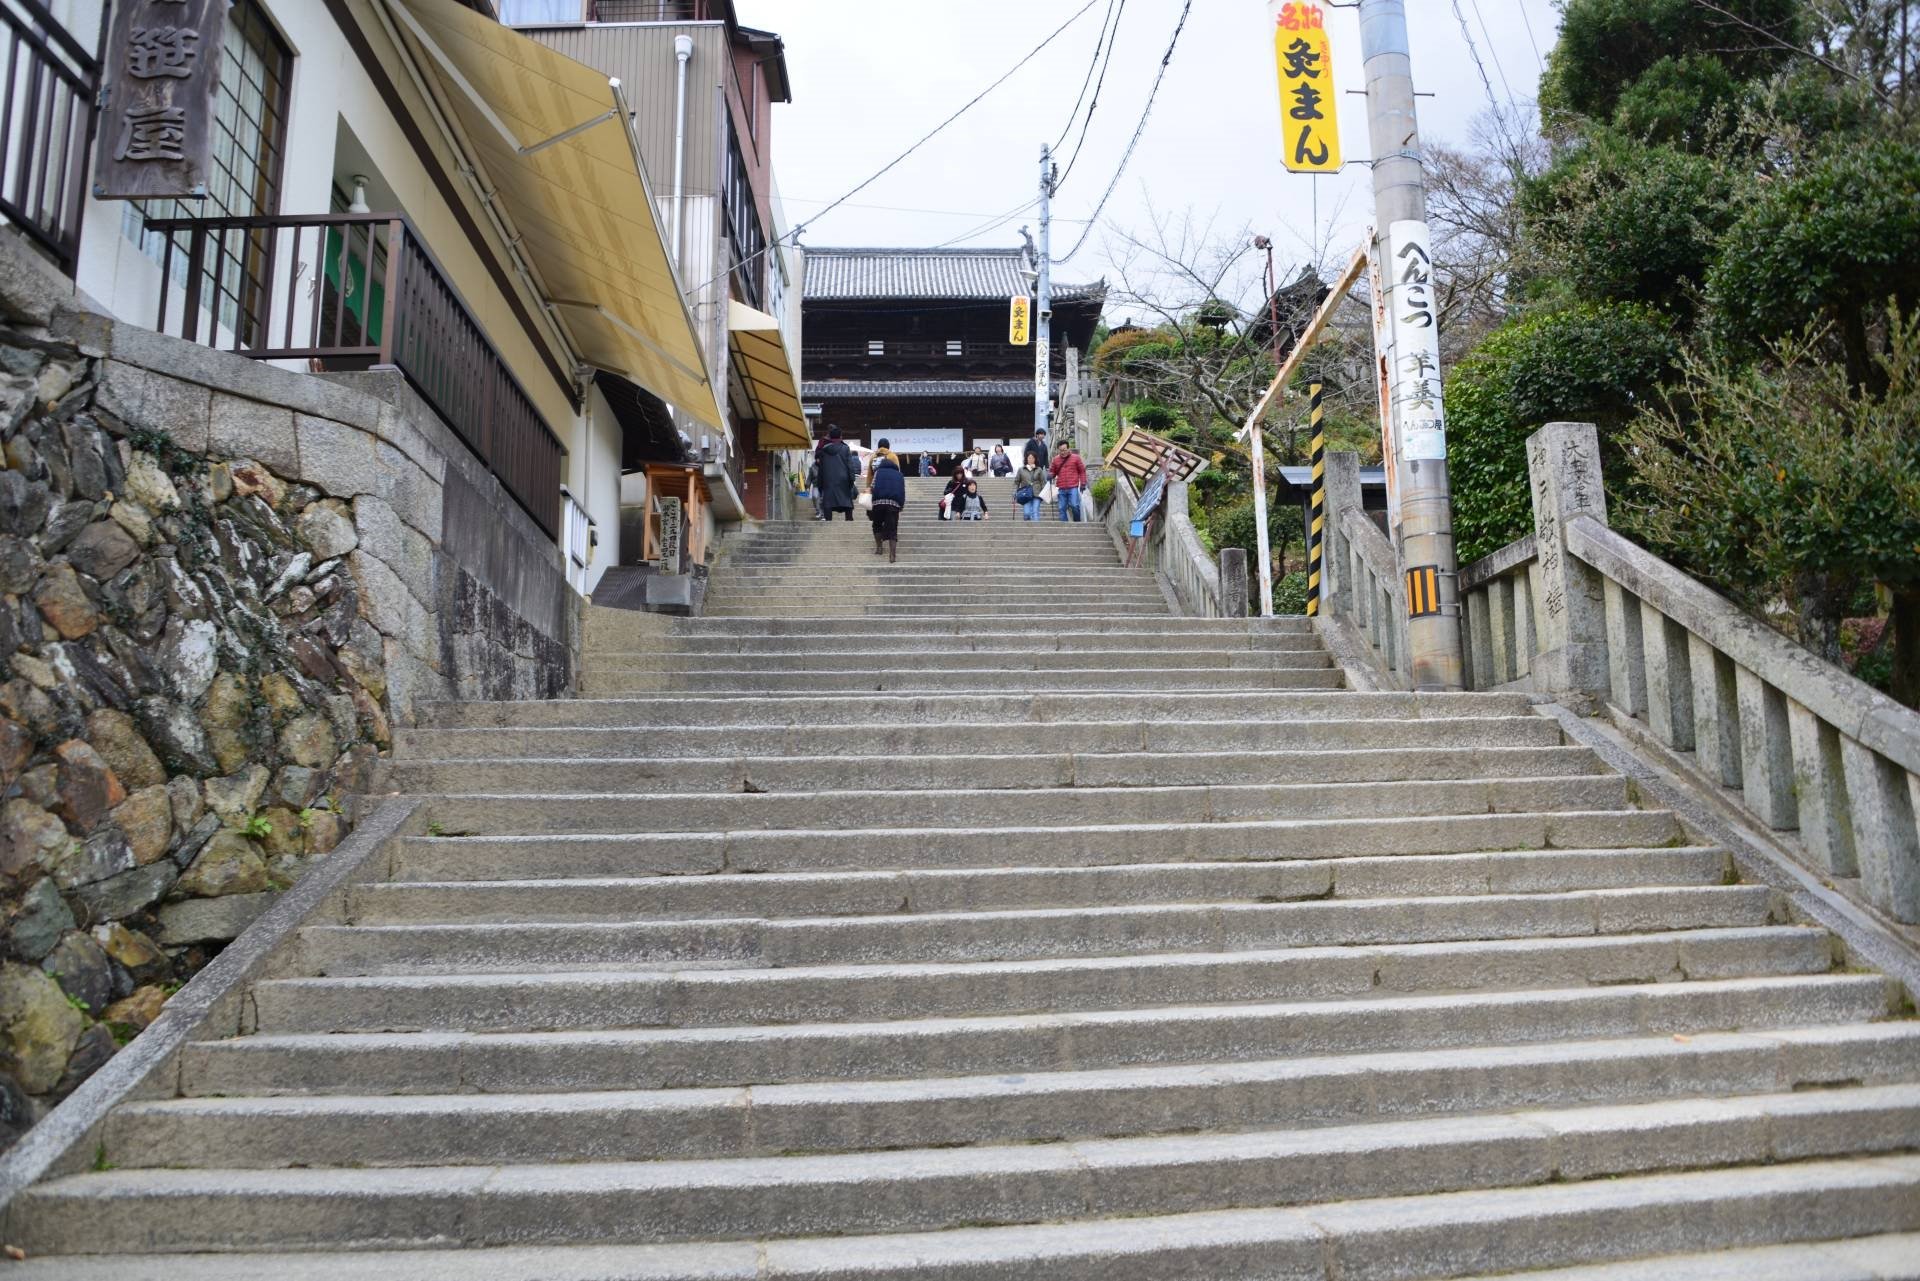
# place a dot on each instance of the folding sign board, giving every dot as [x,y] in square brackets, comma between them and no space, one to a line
[1309,103]
[1139,453]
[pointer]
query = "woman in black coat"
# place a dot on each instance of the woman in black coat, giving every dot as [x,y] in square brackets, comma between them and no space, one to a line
[889,498]
[839,473]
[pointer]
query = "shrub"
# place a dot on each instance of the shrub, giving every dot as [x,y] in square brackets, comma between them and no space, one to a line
[1590,363]
[1290,594]
[1102,490]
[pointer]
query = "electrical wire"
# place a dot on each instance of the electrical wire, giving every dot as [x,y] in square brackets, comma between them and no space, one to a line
[1088,78]
[1493,50]
[1139,131]
[1474,49]
[1528,23]
[992,224]
[887,168]
[1094,106]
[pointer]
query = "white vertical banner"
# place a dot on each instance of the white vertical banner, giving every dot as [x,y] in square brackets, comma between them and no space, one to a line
[1414,321]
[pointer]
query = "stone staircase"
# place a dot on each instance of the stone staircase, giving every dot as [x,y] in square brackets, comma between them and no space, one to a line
[971,918]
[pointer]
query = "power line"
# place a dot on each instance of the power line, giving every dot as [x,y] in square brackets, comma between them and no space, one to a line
[1092,65]
[887,168]
[992,224]
[1474,49]
[1528,22]
[1138,132]
[1493,50]
[1094,106]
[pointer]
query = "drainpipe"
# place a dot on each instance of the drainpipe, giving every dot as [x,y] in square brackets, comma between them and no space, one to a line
[683,52]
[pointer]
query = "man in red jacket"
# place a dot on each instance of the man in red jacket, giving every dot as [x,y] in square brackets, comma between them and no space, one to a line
[1069,477]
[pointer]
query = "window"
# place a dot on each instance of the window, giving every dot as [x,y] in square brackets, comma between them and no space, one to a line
[955,347]
[249,136]
[876,347]
[532,13]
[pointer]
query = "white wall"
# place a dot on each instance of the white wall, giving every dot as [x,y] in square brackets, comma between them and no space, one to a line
[593,474]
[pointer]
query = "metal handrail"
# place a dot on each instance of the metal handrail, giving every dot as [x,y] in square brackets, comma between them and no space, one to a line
[375,295]
[45,145]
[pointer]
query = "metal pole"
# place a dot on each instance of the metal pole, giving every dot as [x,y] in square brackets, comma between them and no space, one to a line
[1262,540]
[1315,530]
[1400,205]
[1043,309]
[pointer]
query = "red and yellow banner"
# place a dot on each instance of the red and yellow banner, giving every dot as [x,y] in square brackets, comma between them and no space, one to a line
[1309,114]
[1020,320]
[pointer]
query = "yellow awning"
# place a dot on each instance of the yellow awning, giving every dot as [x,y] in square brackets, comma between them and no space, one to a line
[760,354]
[553,138]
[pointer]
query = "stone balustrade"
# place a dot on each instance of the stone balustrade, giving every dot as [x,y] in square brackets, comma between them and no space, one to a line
[1580,614]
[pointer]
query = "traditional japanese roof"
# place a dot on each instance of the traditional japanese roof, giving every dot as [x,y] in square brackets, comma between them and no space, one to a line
[979,389]
[985,275]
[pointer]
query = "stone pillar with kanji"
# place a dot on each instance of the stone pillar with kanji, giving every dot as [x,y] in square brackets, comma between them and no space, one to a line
[1563,464]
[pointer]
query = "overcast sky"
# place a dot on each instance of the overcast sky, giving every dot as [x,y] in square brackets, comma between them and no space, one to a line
[871,76]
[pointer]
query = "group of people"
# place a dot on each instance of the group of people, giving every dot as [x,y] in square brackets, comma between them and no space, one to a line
[836,473]
[976,463]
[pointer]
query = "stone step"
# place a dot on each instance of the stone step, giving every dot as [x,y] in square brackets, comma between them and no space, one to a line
[739,997]
[587,1030]
[1019,934]
[663,1201]
[1888,1257]
[847,814]
[338,1130]
[796,894]
[493,858]
[969,773]
[949,626]
[268,1132]
[752,745]
[996,709]
[1011,610]
[1421,1238]
[985,662]
[855,678]
[955,648]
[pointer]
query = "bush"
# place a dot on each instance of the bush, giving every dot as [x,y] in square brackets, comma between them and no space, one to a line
[1590,363]
[1290,594]
[1785,478]
[1149,416]
[1102,490]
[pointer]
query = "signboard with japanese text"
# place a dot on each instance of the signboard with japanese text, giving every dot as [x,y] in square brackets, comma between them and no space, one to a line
[671,537]
[1020,321]
[1413,315]
[156,125]
[1309,115]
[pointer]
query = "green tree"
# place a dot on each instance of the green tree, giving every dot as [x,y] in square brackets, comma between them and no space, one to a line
[1784,477]
[1597,363]
[1606,46]
[1621,221]
[1829,248]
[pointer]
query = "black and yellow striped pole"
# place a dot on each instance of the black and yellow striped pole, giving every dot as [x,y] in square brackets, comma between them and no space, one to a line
[1316,530]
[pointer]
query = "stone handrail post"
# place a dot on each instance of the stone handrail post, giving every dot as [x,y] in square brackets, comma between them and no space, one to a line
[1563,466]
[1343,495]
[1233,582]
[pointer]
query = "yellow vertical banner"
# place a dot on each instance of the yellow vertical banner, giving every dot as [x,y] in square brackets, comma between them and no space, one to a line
[1309,104]
[1020,321]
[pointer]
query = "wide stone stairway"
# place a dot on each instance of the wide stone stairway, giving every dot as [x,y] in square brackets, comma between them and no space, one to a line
[972,918]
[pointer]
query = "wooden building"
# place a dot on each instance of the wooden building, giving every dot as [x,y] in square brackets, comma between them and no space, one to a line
[911,345]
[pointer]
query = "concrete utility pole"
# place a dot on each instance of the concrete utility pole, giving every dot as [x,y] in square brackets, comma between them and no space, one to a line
[1404,248]
[1043,304]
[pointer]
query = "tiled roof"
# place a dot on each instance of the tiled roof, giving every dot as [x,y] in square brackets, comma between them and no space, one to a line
[952,388]
[983,274]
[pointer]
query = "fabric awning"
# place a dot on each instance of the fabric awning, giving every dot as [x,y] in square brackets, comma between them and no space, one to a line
[760,354]
[553,137]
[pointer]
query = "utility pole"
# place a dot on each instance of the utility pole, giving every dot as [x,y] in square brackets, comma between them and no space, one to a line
[1403,246]
[1043,305]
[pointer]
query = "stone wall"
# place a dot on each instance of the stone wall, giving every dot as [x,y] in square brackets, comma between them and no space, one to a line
[221,585]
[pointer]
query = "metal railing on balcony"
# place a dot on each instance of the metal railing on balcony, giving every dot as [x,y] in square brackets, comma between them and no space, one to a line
[649,10]
[891,350]
[46,127]
[347,292]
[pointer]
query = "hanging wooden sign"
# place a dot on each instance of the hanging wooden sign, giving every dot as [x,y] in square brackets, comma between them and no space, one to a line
[158,81]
